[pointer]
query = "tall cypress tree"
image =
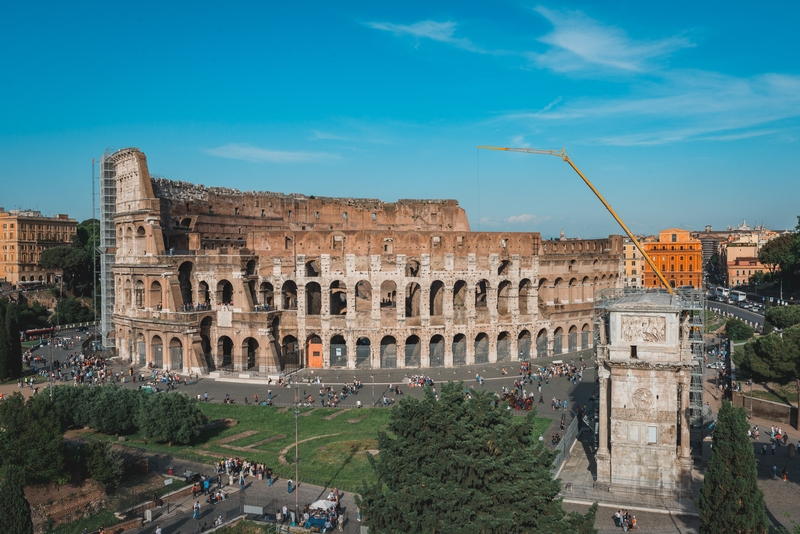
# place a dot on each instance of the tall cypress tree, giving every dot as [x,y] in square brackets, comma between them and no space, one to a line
[4,346]
[15,511]
[458,464]
[14,357]
[731,500]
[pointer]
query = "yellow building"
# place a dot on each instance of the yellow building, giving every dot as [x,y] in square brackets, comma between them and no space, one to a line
[740,270]
[26,234]
[679,257]
[634,264]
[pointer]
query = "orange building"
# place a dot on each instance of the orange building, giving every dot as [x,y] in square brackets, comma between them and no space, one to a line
[678,255]
[741,270]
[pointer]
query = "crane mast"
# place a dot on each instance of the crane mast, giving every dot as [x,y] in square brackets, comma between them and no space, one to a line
[563,155]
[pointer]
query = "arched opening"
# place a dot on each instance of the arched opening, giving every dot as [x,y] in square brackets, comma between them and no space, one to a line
[290,352]
[225,293]
[437,298]
[413,351]
[176,354]
[585,331]
[185,281]
[251,289]
[558,345]
[338,352]
[388,294]
[313,299]
[289,295]
[504,347]
[338,298]
[572,339]
[128,294]
[524,345]
[388,353]
[574,291]
[363,353]
[541,343]
[266,295]
[558,287]
[544,292]
[412,268]
[363,296]
[204,293]
[139,294]
[250,352]
[504,268]
[186,223]
[250,268]
[412,299]
[503,291]
[225,352]
[157,350]
[437,351]
[460,349]
[155,295]
[586,290]
[482,348]
[314,351]
[142,348]
[459,296]
[481,294]
[312,268]
[524,294]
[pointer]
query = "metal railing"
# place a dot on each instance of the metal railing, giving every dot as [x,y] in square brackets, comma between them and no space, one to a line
[563,447]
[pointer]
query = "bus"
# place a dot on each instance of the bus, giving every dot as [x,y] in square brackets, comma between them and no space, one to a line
[738,296]
[721,293]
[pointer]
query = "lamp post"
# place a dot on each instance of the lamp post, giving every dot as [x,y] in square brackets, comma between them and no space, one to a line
[373,391]
[296,445]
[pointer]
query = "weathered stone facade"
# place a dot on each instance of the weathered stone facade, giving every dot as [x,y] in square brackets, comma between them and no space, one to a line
[645,364]
[210,277]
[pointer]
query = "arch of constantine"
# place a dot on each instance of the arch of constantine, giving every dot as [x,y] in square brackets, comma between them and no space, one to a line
[213,278]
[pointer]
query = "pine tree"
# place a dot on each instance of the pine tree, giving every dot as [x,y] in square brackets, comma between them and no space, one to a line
[730,500]
[16,512]
[14,361]
[460,465]
[4,344]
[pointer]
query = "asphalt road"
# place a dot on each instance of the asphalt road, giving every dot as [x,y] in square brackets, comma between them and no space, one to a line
[739,313]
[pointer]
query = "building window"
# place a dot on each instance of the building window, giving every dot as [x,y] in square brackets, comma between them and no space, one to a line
[344,215]
[674,238]
[316,215]
[634,355]
[374,216]
[652,434]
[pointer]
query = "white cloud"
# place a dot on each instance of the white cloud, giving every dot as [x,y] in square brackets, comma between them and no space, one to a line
[579,42]
[522,219]
[255,154]
[444,32]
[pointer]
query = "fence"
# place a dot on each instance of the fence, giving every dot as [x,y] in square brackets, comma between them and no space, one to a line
[628,493]
[564,446]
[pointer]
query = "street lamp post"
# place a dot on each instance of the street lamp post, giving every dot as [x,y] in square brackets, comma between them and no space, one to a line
[296,445]
[373,391]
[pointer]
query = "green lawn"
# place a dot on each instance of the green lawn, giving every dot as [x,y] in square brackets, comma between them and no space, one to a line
[335,453]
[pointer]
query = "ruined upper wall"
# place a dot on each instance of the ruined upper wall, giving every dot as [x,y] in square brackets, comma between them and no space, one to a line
[134,187]
[299,212]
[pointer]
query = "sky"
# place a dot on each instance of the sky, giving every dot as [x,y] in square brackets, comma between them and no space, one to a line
[682,114]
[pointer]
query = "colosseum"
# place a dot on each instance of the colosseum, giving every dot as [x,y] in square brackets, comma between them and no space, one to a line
[207,279]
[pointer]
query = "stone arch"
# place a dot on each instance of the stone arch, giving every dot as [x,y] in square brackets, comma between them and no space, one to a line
[558,289]
[249,353]
[266,295]
[558,342]
[545,293]
[412,268]
[128,294]
[459,349]
[388,352]
[460,295]
[338,351]
[203,293]
[572,339]
[156,295]
[574,290]
[586,290]
[176,354]
[482,294]
[313,299]
[481,348]
[185,281]
[289,295]
[413,351]
[338,298]
[205,341]
[314,357]
[388,294]
[541,343]
[503,293]
[504,347]
[504,268]
[524,296]
[363,353]
[437,351]
[312,268]
[413,292]
[138,292]
[250,268]
[524,345]
[290,352]
[437,298]
[224,292]
[586,331]
[157,351]
[225,351]
[363,296]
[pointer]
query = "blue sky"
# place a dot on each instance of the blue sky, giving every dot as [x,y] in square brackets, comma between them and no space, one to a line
[682,114]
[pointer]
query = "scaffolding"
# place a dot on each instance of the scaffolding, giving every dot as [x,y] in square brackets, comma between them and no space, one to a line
[108,243]
[691,302]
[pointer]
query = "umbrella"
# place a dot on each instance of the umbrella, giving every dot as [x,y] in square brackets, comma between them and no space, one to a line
[322,504]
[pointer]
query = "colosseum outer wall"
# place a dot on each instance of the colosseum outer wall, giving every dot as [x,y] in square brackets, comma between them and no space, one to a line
[210,278]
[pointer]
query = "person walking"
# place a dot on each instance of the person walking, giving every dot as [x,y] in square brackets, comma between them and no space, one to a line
[774,471]
[773,449]
[785,474]
[196,510]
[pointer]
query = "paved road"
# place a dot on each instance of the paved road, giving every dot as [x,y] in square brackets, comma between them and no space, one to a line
[737,312]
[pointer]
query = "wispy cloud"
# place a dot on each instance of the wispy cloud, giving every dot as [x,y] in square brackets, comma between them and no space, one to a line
[443,32]
[255,154]
[578,42]
[366,136]
[513,220]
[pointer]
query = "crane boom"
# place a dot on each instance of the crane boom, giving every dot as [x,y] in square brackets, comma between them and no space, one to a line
[563,155]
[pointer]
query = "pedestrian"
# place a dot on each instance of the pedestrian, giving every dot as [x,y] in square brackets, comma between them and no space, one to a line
[196,510]
[158,530]
[774,471]
[205,396]
[241,482]
[289,486]
[764,449]
[773,449]
[785,474]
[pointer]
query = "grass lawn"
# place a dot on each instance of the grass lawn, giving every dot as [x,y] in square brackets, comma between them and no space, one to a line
[105,518]
[333,452]
[713,321]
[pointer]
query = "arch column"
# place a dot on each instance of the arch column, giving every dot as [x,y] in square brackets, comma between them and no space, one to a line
[448,349]
[491,303]
[425,305]
[401,352]
[470,341]
[424,353]
[351,339]
[514,346]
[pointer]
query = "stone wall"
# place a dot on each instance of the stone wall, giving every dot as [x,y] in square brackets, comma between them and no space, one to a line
[764,409]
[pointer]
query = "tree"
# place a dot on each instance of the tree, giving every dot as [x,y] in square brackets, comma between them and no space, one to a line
[777,254]
[783,316]
[169,417]
[14,361]
[730,500]
[771,358]
[70,310]
[460,465]
[737,330]
[4,342]
[104,464]
[16,511]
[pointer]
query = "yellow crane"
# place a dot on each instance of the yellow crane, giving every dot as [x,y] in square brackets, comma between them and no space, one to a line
[563,155]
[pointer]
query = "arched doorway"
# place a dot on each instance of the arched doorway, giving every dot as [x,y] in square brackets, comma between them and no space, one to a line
[572,339]
[313,299]
[437,299]
[338,298]
[363,296]
[314,351]
[290,352]
[524,293]
[155,295]
[412,299]
[176,354]
[541,343]
[338,351]
[558,344]
[503,293]
[363,353]
[289,295]
[250,353]
[437,351]
[413,351]
[266,294]
[482,348]
[225,293]
[482,295]
[460,349]
[157,350]
[388,353]
[185,281]
[225,352]
[524,345]
[585,331]
[504,347]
